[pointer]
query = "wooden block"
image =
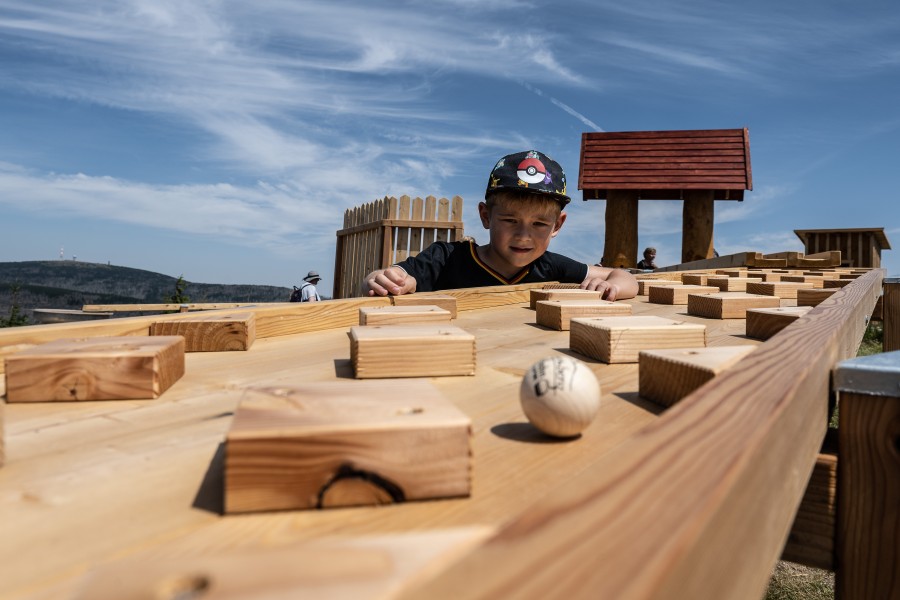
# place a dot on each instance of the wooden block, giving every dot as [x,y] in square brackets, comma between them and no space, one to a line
[835,283]
[211,332]
[331,444]
[782,289]
[732,272]
[811,539]
[556,314]
[771,277]
[763,323]
[677,294]
[644,285]
[731,284]
[411,351]
[817,281]
[563,294]
[667,376]
[694,278]
[620,339]
[444,301]
[728,305]
[398,315]
[823,274]
[100,368]
[850,275]
[813,297]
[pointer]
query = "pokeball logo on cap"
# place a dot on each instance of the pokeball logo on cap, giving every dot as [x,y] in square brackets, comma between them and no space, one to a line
[531,170]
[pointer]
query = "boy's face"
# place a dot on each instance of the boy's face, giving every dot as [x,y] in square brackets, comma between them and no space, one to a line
[520,231]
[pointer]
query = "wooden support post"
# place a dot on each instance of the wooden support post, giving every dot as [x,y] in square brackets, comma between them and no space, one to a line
[868,505]
[890,310]
[620,247]
[697,225]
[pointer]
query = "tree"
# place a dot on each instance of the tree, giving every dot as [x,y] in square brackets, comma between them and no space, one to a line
[16,318]
[178,297]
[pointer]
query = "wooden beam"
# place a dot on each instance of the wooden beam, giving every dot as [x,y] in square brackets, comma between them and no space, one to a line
[697,225]
[890,314]
[620,246]
[726,520]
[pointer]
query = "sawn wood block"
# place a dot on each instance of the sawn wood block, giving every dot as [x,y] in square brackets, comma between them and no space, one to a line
[695,278]
[836,283]
[211,332]
[782,289]
[100,368]
[817,280]
[667,376]
[728,305]
[411,351]
[444,301]
[677,294]
[763,323]
[644,285]
[556,314]
[563,294]
[620,339]
[731,284]
[814,297]
[398,315]
[331,444]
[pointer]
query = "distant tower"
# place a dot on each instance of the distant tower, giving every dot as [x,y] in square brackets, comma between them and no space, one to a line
[61,254]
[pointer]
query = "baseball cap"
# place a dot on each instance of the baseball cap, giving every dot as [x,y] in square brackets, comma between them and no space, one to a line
[530,171]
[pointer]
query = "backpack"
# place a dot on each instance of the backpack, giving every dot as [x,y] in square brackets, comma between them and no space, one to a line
[296,295]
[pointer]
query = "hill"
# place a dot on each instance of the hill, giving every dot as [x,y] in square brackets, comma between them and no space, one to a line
[71,284]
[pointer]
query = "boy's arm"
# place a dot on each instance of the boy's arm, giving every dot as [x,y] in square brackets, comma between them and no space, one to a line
[616,284]
[394,280]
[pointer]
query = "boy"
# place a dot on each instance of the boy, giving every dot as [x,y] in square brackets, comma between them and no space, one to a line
[522,211]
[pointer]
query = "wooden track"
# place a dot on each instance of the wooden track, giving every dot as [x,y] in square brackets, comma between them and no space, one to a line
[122,498]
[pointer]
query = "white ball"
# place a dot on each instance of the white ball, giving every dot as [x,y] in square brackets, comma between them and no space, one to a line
[560,396]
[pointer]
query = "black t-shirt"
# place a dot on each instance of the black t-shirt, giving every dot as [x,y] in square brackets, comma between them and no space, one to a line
[452,265]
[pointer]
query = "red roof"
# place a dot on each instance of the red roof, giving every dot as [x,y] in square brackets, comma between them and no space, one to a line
[661,164]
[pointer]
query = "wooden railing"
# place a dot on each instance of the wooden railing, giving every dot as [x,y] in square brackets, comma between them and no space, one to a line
[381,233]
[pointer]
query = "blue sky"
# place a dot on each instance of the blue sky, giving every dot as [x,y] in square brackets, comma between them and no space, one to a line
[223,139]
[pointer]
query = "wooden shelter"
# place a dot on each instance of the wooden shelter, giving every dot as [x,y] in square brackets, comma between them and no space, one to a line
[696,166]
[860,248]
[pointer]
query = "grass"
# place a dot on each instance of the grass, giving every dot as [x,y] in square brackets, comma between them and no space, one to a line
[791,581]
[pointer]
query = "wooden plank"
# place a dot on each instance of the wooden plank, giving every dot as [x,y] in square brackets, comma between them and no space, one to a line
[219,332]
[105,368]
[782,289]
[402,233]
[456,215]
[667,376]
[677,294]
[620,339]
[430,217]
[334,444]
[557,314]
[397,315]
[411,351]
[415,232]
[890,311]
[589,539]
[728,305]
[443,216]
[164,307]
[763,323]
[868,504]
[817,282]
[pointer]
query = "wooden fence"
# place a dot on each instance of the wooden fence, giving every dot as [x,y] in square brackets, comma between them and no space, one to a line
[386,231]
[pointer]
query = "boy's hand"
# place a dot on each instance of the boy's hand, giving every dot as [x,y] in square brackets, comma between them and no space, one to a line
[608,290]
[393,280]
